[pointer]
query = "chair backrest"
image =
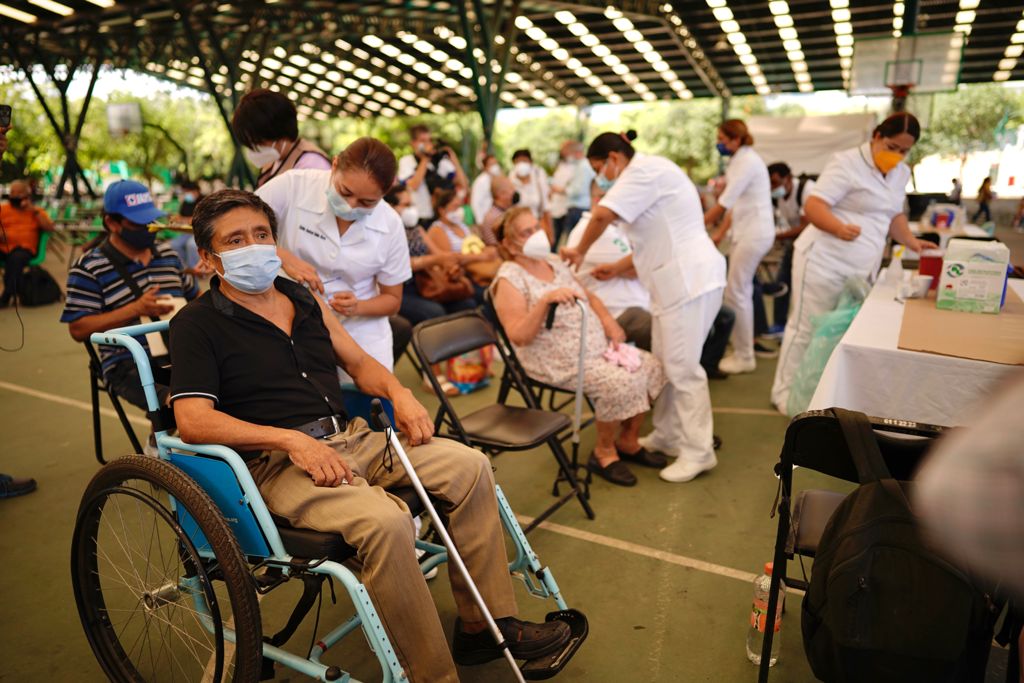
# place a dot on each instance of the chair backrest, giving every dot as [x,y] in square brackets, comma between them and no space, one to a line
[439,339]
[814,440]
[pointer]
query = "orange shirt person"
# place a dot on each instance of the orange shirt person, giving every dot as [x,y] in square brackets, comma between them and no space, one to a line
[19,240]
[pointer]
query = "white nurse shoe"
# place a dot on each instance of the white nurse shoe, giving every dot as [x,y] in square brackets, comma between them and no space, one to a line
[732,365]
[684,470]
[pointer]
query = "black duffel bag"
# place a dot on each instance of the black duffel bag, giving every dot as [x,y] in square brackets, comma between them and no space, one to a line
[38,288]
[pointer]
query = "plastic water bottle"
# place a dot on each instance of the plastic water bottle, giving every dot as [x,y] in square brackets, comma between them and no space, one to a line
[759,618]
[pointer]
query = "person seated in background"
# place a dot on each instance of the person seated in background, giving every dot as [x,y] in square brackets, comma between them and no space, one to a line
[254,369]
[608,272]
[532,279]
[23,223]
[266,124]
[127,279]
[448,234]
[531,182]
[12,486]
[423,255]
[503,197]
[184,243]
[480,198]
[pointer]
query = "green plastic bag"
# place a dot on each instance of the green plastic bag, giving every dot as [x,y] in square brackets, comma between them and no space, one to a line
[828,328]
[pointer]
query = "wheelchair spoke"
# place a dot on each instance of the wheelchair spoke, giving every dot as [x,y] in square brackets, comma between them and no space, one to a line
[153,607]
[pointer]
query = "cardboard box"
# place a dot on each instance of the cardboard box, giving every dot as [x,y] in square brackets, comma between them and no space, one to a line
[973,276]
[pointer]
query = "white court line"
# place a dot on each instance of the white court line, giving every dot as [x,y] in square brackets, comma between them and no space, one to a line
[645,551]
[625,546]
[63,400]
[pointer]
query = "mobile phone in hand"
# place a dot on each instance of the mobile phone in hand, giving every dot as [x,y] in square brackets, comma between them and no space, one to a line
[5,115]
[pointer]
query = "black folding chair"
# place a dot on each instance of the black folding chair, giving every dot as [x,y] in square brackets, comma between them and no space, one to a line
[98,383]
[815,441]
[496,428]
[557,397]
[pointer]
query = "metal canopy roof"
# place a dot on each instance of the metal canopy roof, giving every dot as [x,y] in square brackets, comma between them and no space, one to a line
[409,56]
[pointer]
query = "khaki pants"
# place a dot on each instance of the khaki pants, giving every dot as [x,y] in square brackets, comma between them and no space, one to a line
[380,527]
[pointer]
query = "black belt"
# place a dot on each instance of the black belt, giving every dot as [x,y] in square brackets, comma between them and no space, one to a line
[323,428]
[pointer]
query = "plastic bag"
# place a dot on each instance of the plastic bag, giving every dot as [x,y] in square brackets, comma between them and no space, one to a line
[828,329]
[471,371]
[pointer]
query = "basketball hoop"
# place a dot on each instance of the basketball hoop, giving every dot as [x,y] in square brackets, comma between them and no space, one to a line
[922,63]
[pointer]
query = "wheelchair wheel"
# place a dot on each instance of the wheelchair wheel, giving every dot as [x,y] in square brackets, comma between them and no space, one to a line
[156,602]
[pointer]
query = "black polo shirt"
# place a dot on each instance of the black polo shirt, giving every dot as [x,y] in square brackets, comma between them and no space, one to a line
[251,369]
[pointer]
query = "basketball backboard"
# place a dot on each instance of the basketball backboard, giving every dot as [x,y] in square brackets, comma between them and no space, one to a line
[124,118]
[926,62]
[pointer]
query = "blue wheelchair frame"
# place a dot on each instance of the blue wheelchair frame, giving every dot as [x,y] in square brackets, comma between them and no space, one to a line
[223,474]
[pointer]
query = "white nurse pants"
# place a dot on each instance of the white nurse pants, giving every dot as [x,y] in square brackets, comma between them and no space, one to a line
[682,413]
[816,287]
[744,257]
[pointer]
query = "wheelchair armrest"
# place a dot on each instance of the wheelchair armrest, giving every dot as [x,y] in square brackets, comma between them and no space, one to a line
[125,337]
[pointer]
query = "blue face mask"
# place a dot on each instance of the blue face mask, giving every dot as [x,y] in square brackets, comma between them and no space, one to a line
[341,208]
[138,237]
[603,183]
[723,150]
[779,192]
[251,269]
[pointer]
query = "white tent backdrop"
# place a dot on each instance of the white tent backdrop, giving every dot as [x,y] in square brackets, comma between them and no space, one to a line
[806,142]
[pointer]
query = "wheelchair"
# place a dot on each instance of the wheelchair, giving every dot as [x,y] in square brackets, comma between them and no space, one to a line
[170,555]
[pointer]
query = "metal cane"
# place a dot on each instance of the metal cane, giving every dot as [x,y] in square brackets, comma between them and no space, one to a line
[380,419]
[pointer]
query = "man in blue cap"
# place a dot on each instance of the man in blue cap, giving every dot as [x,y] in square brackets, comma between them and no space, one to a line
[127,279]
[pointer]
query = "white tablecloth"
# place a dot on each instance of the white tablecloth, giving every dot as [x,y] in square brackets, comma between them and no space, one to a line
[868,373]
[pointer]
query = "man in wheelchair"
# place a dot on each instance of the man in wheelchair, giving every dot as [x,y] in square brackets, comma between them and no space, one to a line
[255,369]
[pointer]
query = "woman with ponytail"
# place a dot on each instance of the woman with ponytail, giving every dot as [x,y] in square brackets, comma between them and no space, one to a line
[679,265]
[748,196]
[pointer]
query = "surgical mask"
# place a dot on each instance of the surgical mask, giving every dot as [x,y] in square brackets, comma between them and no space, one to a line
[343,210]
[456,216]
[886,160]
[779,192]
[537,245]
[17,202]
[188,197]
[410,216]
[494,169]
[262,155]
[723,150]
[251,269]
[523,168]
[140,238]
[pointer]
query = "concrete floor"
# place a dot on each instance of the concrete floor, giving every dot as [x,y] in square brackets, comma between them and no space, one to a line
[663,572]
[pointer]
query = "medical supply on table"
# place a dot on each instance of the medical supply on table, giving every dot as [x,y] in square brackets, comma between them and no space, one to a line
[945,216]
[930,263]
[973,276]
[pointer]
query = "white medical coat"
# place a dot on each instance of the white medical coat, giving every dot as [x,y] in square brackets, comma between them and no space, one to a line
[859,194]
[675,259]
[373,251]
[748,193]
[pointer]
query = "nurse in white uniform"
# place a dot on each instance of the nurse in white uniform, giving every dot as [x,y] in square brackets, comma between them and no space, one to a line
[748,195]
[337,237]
[679,265]
[855,206]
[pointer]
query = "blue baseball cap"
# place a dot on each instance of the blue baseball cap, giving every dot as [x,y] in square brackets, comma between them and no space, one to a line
[132,200]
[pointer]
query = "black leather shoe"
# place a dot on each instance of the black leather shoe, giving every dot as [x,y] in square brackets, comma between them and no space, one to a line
[715,373]
[11,486]
[616,472]
[644,457]
[526,640]
[716,441]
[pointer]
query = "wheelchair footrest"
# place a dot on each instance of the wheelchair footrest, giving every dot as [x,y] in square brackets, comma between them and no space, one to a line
[546,667]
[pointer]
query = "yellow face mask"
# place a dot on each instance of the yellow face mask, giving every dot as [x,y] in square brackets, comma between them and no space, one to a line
[886,160]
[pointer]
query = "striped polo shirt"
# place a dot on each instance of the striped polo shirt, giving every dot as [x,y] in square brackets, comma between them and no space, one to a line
[94,286]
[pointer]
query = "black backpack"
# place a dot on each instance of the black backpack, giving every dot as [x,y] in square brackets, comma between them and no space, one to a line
[38,288]
[880,606]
